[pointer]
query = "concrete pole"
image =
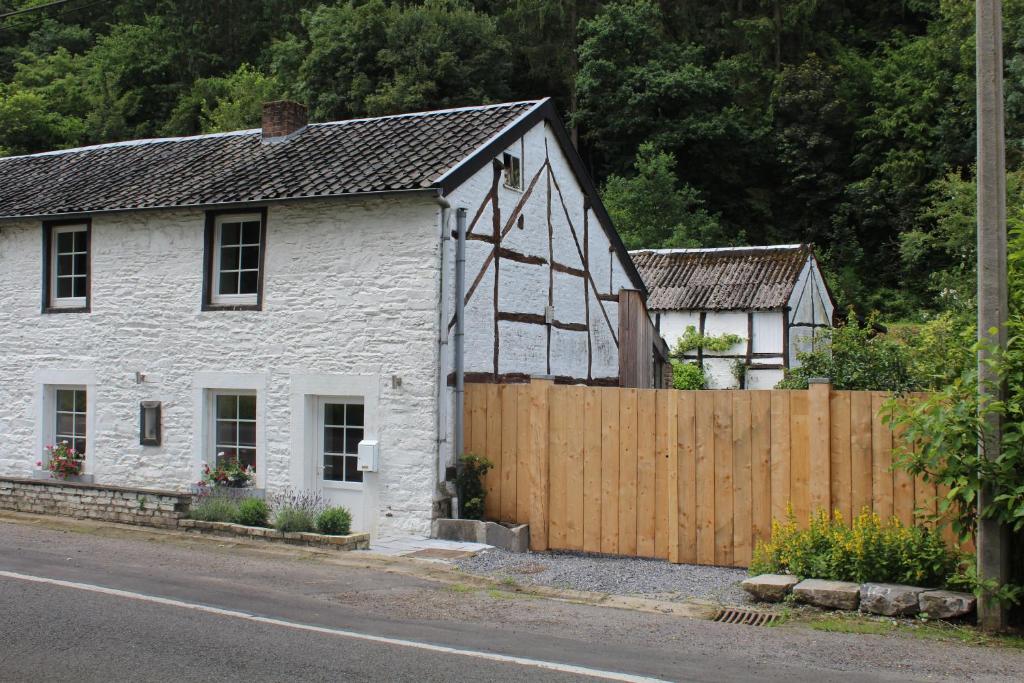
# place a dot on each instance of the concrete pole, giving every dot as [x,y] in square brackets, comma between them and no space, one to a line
[993,538]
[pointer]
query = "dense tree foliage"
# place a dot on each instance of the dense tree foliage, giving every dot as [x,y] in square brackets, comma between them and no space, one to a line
[846,123]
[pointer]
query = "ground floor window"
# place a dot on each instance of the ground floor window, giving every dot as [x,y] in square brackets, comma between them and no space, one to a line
[341,429]
[234,433]
[69,418]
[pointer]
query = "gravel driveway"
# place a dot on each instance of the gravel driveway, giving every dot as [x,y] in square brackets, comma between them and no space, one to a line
[617,575]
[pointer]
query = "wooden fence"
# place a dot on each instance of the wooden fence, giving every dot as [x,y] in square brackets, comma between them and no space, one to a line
[687,476]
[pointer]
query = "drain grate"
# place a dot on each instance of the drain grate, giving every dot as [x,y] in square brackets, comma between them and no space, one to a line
[747,617]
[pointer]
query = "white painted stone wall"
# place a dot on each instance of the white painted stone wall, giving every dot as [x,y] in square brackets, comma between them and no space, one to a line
[351,288]
[523,288]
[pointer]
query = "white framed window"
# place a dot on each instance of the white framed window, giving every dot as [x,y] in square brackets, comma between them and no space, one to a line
[235,245]
[341,426]
[512,175]
[70,417]
[68,266]
[233,434]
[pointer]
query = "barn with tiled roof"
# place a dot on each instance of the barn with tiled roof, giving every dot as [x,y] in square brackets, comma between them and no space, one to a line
[772,298]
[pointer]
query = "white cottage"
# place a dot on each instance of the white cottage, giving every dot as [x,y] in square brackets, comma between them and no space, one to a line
[772,297]
[285,294]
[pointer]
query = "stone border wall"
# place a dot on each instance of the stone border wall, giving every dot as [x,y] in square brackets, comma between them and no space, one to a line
[94,501]
[358,541]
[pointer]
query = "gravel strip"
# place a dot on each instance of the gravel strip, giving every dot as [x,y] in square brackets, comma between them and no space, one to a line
[616,575]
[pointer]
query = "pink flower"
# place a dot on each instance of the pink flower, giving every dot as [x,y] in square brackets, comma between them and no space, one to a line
[39,463]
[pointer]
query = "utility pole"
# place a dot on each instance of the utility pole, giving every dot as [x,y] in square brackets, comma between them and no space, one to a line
[993,537]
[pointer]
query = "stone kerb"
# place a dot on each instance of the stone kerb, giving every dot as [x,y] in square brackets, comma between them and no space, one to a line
[358,541]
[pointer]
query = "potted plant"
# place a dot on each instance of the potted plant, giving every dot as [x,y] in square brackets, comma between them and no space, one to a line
[227,473]
[63,461]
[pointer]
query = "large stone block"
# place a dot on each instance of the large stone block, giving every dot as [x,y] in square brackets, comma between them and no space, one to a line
[770,587]
[889,599]
[946,604]
[828,594]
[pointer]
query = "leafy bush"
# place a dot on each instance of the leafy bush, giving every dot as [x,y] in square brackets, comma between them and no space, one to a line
[470,485]
[869,550]
[211,507]
[290,519]
[336,521]
[854,357]
[252,512]
[687,376]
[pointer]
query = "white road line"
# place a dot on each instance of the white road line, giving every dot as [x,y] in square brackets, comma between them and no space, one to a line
[507,659]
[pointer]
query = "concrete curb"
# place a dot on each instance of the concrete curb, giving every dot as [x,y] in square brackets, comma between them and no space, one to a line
[364,559]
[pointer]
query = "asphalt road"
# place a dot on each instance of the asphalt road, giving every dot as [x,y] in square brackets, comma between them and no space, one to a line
[97,604]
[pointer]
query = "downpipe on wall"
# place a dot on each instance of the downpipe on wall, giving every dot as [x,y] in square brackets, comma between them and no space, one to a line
[460,333]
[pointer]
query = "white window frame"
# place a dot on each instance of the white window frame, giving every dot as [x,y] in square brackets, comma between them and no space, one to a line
[216,298]
[321,402]
[46,382]
[212,421]
[52,435]
[519,156]
[68,301]
[204,386]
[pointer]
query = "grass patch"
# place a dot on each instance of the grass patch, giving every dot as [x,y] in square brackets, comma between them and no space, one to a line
[506,595]
[461,588]
[920,629]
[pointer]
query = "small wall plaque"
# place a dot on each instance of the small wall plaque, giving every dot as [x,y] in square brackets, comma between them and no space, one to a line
[149,423]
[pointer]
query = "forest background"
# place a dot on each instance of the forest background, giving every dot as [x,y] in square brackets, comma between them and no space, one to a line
[846,123]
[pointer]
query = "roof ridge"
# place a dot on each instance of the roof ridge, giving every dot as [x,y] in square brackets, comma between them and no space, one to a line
[254,131]
[706,250]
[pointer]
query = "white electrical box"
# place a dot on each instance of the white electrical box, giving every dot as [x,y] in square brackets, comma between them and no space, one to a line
[369,456]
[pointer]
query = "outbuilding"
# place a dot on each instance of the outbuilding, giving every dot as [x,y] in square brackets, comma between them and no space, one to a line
[771,298]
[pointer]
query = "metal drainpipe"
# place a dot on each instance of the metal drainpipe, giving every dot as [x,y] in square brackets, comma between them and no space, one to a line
[460,315]
[442,338]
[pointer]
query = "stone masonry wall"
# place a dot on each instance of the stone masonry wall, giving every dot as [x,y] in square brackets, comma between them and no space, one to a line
[94,501]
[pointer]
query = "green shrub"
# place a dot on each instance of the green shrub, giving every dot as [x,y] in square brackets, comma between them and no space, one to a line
[213,508]
[252,512]
[869,550]
[336,521]
[291,519]
[687,375]
[470,484]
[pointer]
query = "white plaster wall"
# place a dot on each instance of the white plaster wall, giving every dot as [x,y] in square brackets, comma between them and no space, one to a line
[350,289]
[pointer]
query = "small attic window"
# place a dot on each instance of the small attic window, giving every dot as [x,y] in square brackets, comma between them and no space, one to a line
[513,172]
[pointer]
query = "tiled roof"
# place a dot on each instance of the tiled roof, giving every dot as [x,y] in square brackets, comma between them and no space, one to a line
[741,278]
[404,152]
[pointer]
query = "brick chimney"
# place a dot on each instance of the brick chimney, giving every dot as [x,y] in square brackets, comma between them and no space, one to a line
[282,118]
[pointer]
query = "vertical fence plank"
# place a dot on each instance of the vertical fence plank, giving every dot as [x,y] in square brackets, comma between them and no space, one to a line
[558,455]
[507,395]
[723,478]
[761,466]
[672,475]
[841,465]
[645,472]
[661,506]
[781,454]
[686,437]
[705,468]
[574,468]
[627,471]
[610,470]
[742,501]
[860,451]
[523,483]
[800,457]
[492,451]
[881,454]
[902,483]
[819,415]
[540,489]
[592,470]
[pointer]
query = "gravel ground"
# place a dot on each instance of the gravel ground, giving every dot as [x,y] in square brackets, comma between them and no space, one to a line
[617,575]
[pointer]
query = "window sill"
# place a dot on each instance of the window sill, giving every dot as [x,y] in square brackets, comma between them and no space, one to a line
[56,309]
[233,307]
[342,485]
[48,475]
